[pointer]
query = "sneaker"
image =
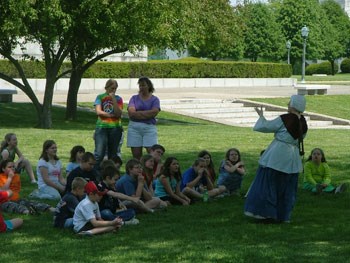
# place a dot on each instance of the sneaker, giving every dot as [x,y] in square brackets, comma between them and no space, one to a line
[85,233]
[133,221]
[341,188]
[219,196]
[34,182]
[250,214]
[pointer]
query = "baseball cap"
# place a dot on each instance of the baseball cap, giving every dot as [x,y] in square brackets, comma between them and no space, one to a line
[91,187]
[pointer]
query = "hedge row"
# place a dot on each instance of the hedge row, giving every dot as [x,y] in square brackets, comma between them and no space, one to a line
[163,69]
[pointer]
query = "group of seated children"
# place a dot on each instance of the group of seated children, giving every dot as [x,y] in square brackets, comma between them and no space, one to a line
[140,189]
[100,200]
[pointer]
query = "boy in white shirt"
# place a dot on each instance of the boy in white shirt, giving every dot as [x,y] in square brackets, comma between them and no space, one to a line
[87,218]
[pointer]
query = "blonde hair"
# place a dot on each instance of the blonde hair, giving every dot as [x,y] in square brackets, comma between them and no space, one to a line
[78,182]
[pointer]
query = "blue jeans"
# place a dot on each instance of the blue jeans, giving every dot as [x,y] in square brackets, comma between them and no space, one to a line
[106,139]
[47,192]
[68,223]
[126,215]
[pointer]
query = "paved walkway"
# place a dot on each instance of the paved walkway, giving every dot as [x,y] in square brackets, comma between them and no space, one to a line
[192,93]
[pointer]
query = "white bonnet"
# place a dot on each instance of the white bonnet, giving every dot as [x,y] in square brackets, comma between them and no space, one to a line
[298,102]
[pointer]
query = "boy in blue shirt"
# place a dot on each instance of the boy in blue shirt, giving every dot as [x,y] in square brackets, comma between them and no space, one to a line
[64,212]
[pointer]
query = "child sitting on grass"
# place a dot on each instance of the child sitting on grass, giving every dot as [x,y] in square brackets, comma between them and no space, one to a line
[133,184]
[317,176]
[9,150]
[12,224]
[64,212]
[110,205]
[75,158]
[210,164]
[168,183]
[196,180]
[9,180]
[51,183]
[231,171]
[86,170]
[87,217]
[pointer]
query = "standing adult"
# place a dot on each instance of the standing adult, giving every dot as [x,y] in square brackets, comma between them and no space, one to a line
[273,192]
[142,110]
[108,132]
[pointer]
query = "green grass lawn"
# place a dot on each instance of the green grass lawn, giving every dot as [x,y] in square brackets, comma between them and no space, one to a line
[204,232]
[337,79]
[336,105]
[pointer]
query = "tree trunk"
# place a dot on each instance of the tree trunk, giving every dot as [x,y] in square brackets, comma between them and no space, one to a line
[45,121]
[332,66]
[72,97]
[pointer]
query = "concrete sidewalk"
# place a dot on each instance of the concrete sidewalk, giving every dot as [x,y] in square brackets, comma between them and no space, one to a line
[190,93]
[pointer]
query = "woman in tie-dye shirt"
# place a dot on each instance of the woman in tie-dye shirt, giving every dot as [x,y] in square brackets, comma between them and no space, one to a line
[108,132]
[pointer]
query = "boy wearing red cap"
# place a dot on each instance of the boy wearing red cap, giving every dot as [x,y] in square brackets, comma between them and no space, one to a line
[87,217]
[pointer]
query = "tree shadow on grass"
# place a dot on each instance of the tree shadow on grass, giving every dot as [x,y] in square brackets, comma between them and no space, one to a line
[23,115]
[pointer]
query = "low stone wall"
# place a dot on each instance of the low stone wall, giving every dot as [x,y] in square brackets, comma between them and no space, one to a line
[38,85]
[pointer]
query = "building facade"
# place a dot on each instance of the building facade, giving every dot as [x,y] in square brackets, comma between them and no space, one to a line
[33,50]
[345,4]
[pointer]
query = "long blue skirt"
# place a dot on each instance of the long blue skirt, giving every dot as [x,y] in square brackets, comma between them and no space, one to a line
[272,195]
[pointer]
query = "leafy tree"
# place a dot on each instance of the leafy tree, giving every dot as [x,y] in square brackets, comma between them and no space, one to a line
[36,21]
[292,16]
[262,35]
[82,30]
[126,27]
[336,32]
[220,28]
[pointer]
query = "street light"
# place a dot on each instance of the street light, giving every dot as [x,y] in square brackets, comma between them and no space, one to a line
[304,35]
[288,45]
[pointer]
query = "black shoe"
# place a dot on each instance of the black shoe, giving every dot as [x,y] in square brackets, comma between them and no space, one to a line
[33,211]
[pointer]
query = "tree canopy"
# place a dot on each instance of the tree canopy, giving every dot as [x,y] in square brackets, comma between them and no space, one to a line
[220,32]
[86,31]
[262,35]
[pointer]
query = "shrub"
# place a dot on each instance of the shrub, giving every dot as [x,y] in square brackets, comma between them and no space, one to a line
[321,68]
[345,66]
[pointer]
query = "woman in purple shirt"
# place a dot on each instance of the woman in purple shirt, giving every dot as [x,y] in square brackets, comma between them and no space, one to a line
[142,110]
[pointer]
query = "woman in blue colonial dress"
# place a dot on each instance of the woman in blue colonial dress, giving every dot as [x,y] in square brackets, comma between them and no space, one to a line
[273,193]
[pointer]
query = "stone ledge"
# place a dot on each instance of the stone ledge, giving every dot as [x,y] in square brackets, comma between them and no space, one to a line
[307,89]
[38,85]
[6,94]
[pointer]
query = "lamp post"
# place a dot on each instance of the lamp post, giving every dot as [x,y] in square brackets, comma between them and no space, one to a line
[288,45]
[304,35]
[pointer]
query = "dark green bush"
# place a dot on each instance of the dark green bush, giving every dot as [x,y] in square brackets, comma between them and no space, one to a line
[186,68]
[345,66]
[321,68]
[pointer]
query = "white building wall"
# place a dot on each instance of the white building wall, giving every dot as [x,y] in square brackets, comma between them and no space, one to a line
[345,4]
[33,50]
